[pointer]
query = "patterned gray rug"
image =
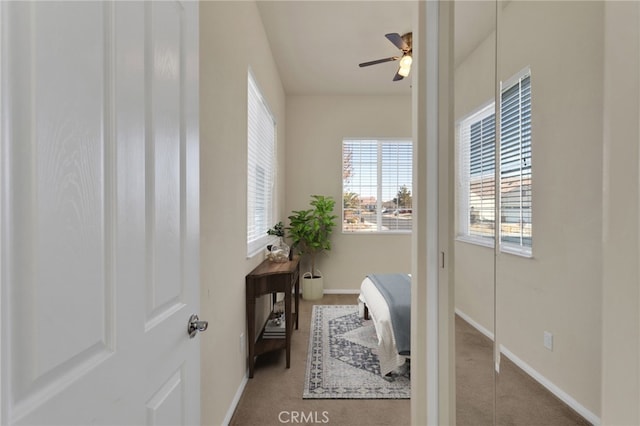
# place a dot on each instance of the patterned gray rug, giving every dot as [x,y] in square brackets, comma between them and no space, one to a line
[342,360]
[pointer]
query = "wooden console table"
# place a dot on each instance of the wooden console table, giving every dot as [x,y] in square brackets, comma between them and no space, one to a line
[272,277]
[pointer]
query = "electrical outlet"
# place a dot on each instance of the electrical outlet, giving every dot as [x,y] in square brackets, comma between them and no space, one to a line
[242,344]
[548,340]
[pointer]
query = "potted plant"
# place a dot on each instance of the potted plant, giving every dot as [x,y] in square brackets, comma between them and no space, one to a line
[278,252]
[309,231]
[277,230]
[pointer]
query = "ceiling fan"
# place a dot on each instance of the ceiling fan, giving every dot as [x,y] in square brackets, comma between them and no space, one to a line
[402,42]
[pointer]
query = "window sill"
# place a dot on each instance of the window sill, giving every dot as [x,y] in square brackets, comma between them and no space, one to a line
[478,241]
[376,232]
[504,248]
[516,250]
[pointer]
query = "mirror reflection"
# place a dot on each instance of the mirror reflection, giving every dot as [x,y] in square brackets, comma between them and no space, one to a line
[528,115]
[549,71]
[474,79]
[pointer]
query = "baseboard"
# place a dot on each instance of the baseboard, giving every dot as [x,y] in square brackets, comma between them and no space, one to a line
[341,291]
[550,386]
[564,397]
[236,400]
[474,324]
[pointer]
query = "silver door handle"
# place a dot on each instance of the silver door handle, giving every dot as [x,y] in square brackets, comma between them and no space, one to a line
[196,325]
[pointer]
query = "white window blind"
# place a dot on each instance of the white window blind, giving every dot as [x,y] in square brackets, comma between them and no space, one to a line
[515,164]
[377,185]
[476,181]
[477,173]
[261,139]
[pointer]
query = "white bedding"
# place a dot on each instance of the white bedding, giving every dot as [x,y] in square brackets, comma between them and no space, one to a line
[379,313]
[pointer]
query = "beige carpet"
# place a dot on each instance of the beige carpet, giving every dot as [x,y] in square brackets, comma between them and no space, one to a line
[274,395]
[520,399]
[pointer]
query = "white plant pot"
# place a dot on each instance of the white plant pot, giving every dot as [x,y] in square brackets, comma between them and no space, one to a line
[312,288]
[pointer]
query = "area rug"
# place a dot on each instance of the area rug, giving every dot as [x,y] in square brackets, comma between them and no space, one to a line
[342,361]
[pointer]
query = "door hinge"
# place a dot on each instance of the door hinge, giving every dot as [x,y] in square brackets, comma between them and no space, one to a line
[442,257]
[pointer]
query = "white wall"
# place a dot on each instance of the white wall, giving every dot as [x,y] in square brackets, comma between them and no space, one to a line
[559,289]
[621,233]
[316,126]
[474,88]
[232,39]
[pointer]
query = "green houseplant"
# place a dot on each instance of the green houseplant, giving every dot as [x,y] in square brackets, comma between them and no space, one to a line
[309,231]
[278,252]
[277,230]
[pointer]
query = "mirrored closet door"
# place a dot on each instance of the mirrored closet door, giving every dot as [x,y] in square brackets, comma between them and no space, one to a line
[549,180]
[529,219]
[474,165]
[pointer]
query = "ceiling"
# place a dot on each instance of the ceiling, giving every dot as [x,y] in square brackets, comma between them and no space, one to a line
[318,45]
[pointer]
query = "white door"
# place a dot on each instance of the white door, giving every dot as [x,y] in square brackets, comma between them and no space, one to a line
[99,213]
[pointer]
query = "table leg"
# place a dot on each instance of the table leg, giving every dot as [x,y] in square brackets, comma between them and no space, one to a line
[251,332]
[297,290]
[288,323]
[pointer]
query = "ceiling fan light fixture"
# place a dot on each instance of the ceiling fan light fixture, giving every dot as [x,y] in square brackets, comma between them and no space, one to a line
[405,65]
[404,71]
[406,61]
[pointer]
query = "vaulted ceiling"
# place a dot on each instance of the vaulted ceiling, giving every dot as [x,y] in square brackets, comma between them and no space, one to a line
[319,44]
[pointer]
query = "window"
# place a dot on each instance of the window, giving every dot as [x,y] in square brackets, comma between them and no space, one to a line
[515,165]
[476,171]
[377,182]
[476,184]
[261,139]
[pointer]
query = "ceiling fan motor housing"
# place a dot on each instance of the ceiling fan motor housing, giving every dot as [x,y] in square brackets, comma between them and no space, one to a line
[408,38]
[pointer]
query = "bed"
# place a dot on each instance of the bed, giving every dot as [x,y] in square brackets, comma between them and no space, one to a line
[375,291]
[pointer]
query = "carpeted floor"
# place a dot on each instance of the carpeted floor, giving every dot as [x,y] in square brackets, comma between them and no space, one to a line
[274,395]
[520,399]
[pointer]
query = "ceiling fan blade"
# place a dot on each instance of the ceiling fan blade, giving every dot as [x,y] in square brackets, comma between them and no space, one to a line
[397,76]
[397,40]
[379,61]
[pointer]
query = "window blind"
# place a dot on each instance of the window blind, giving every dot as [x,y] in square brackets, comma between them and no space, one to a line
[515,164]
[261,138]
[377,181]
[476,170]
[476,174]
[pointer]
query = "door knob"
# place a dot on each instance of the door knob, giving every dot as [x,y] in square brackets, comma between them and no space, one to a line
[196,325]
